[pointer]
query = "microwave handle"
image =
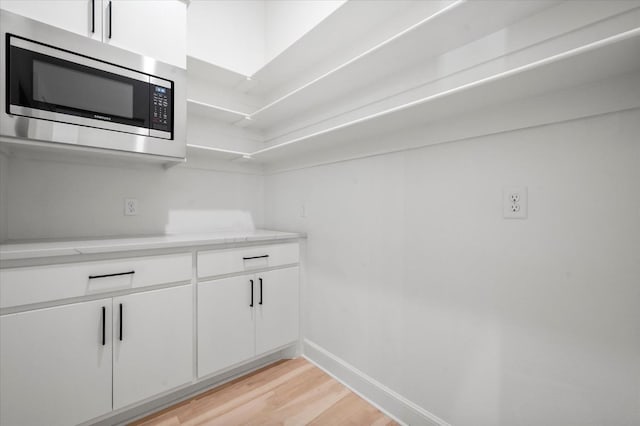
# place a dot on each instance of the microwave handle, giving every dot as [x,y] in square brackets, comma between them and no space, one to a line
[110,17]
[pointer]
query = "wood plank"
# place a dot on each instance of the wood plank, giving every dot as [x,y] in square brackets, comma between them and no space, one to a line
[289,392]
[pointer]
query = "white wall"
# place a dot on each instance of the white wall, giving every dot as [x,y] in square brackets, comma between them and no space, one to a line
[286,21]
[49,199]
[228,33]
[414,277]
[244,35]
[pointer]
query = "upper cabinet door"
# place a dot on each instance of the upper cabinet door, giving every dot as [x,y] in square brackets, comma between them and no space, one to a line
[153,343]
[55,364]
[154,28]
[83,17]
[277,309]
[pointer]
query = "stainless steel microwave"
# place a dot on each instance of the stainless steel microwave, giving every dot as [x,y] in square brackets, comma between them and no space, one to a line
[65,88]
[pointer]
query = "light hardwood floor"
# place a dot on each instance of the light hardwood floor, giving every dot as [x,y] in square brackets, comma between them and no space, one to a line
[289,392]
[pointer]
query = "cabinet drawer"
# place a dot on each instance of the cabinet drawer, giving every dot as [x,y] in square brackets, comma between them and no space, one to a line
[22,286]
[230,261]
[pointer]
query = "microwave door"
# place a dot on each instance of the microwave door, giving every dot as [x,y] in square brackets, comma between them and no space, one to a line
[57,85]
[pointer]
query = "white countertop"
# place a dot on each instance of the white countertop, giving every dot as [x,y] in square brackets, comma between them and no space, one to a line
[29,250]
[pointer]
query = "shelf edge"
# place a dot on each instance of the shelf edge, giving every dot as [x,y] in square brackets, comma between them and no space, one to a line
[217,108]
[221,150]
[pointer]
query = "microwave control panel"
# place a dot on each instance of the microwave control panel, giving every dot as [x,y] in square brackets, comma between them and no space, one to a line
[161,106]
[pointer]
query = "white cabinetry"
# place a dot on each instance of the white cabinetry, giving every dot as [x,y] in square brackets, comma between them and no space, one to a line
[54,364]
[245,259]
[245,316]
[226,323]
[153,343]
[82,17]
[85,340]
[154,28]
[36,284]
[277,310]
[68,364]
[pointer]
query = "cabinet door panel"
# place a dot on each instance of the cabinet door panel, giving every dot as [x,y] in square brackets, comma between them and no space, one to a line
[71,15]
[226,329]
[54,369]
[154,28]
[156,350]
[277,316]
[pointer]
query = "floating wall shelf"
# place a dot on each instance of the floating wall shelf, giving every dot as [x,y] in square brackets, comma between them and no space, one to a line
[452,26]
[609,57]
[444,31]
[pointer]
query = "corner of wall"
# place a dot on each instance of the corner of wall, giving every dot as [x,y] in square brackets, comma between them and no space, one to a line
[4,192]
[385,399]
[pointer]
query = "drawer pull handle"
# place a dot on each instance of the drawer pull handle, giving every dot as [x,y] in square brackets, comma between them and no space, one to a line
[91,277]
[260,291]
[104,326]
[251,284]
[255,257]
[121,322]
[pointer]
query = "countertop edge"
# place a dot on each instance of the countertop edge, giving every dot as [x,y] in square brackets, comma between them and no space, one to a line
[106,246]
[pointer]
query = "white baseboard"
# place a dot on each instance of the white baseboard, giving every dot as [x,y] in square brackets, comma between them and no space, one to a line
[386,400]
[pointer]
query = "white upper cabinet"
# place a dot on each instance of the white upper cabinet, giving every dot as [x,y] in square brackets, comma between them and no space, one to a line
[154,28]
[82,17]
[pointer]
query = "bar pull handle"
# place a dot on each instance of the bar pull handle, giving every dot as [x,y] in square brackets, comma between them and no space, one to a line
[92,277]
[110,17]
[260,291]
[251,284]
[121,322]
[255,257]
[93,16]
[104,325]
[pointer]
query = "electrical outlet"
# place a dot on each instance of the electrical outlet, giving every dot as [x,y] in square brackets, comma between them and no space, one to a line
[515,202]
[130,207]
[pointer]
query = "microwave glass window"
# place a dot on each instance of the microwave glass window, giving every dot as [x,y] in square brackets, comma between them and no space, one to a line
[57,85]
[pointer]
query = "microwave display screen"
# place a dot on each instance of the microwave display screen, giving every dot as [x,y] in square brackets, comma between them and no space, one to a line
[64,86]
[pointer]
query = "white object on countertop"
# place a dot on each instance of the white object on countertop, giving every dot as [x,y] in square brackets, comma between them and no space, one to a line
[216,220]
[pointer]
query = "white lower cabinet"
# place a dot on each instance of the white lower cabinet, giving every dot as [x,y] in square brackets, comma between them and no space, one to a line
[55,367]
[277,313]
[69,364]
[226,326]
[77,361]
[245,316]
[153,343]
